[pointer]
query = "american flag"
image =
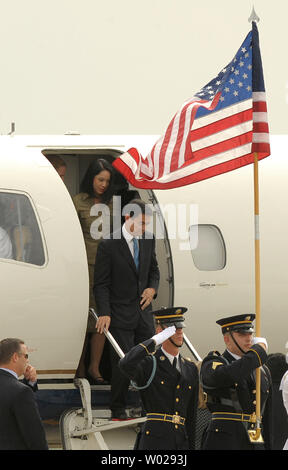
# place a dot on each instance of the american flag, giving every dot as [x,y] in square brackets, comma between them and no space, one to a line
[216,131]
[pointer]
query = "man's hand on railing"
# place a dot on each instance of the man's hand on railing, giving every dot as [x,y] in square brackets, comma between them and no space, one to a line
[103,323]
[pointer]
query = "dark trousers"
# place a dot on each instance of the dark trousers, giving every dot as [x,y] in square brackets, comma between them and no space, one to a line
[126,339]
[228,435]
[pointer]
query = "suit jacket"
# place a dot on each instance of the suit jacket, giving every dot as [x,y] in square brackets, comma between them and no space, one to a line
[117,283]
[170,392]
[231,387]
[20,423]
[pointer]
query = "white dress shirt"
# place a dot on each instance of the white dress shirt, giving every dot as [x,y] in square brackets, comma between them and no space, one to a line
[129,239]
[171,358]
[234,355]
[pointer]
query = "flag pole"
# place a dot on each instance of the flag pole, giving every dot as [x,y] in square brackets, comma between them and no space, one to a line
[255,436]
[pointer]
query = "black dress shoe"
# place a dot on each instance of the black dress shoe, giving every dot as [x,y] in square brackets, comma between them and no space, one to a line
[99,381]
[96,380]
[119,415]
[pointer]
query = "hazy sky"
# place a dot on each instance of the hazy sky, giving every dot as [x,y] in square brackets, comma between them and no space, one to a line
[126,66]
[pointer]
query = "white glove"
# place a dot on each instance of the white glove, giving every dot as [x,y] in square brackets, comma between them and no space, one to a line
[260,340]
[163,335]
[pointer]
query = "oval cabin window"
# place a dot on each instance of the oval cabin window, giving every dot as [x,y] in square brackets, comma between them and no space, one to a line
[207,247]
[20,237]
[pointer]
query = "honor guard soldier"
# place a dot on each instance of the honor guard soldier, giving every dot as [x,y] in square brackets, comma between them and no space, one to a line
[229,382]
[168,384]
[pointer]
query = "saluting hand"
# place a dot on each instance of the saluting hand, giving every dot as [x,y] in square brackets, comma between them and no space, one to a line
[147,297]
[261,341]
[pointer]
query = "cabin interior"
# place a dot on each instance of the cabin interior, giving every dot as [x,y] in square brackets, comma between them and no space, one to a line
[77,162]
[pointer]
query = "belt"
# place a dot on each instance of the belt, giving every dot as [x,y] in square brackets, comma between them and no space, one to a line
[234,417]
[175,419]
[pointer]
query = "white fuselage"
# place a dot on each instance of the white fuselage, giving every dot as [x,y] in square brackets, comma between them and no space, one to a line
[47,305]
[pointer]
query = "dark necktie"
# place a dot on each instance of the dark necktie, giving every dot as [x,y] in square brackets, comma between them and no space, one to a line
[136,252]
[175,363]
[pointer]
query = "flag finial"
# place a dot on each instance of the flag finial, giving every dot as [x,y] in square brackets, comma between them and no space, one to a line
[253,16]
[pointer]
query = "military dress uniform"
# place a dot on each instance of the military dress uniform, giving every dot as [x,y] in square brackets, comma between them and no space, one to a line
[170,400]
[230,385]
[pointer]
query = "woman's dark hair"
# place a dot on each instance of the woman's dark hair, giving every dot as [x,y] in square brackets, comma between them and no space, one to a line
[94,169]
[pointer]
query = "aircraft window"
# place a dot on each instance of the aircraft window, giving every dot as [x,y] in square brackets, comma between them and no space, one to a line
[20,237]
[207,247]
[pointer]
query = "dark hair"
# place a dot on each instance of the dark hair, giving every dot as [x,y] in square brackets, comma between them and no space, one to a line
[141,207]
[56,161]
[277,365]
[8,347]
[94,169]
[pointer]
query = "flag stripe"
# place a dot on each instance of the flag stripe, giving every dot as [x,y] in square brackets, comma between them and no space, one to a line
[259,96]
[162,152]
[259,106]
[222,136]
[185,150]
[171,153]
[260,117]
[176,137]
[122,164]
[260,127]
[222,146]
[170,134]
[204,164]
[260,137]
[226,112]
[178,156]
[182,177]
[221,125]
[262,148]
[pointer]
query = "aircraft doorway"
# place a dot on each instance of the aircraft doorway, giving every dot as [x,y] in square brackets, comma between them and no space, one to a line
[77,162]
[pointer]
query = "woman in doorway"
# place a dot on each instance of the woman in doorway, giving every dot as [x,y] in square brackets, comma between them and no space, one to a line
[96,188]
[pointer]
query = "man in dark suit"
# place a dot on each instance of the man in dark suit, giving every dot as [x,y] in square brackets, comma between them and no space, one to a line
[20,423]
[125,282]
[168,383]
[229,382]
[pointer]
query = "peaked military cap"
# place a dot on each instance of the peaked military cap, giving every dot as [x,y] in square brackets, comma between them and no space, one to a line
[170,316]
[240,323]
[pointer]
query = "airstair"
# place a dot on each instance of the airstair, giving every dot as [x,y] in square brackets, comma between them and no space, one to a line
[90,428]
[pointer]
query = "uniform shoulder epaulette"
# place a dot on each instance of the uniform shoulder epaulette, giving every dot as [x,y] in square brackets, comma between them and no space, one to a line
[214,353]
